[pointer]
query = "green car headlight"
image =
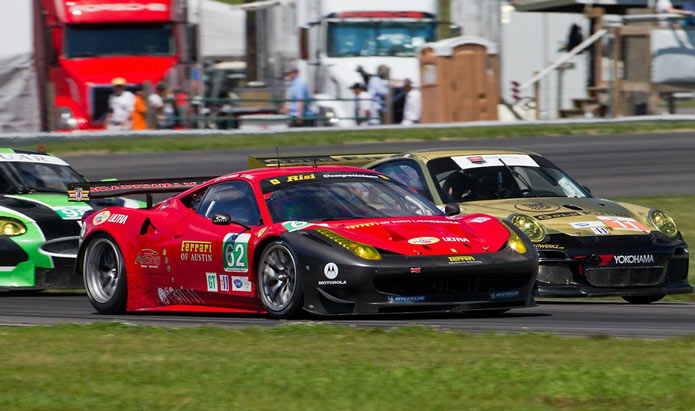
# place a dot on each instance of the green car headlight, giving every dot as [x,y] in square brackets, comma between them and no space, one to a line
[10,227]
[515,242]
[361,250]
[664,223]
[529,226]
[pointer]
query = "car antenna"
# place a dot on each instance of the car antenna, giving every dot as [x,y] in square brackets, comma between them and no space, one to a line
[315,165]
[277,154]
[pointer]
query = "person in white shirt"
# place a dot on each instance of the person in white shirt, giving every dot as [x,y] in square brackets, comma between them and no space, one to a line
[666,7]
[121,105]
[366,109]
[412,109]
[164,111]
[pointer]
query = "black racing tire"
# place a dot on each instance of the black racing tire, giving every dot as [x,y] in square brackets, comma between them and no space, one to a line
[104,274]
[643,299]
[278,281]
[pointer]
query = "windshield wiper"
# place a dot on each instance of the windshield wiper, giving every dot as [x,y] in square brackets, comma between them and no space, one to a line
[520,177]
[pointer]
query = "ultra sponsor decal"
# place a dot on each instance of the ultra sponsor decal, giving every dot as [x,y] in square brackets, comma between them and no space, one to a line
[463,259]
[211,281]
[423,240]
[587,224]
[623,223]
[148,258]
[330,270]
[405,299]
[455,240]
[235,252]
[169,295]
[626,259]
[536,207]
[504,295]
[118,218]
[198,251]
[241,284]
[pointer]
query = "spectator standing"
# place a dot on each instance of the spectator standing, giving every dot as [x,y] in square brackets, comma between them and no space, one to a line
[412,109]
[377,85]
[666,7]
[366,109]
[297,108]
[139,114]
[162,105]
[121,105]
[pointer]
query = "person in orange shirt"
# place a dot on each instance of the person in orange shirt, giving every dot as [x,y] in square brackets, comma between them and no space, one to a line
[139,114]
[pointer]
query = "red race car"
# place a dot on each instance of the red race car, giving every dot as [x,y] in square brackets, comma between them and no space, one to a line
[329,240]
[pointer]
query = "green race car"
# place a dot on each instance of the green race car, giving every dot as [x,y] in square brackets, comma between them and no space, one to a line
[39,228]
[588,246]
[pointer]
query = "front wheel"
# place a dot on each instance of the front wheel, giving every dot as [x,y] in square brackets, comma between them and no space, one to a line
[279,283]
[104,275]
[643,299]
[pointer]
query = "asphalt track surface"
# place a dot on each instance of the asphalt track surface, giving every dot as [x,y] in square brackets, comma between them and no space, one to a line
[619,165]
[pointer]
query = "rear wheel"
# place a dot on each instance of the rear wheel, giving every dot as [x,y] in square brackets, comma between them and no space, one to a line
[104,275]
[642,299]
[279,283]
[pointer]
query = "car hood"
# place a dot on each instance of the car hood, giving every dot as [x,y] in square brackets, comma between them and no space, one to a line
[425,235]
[571,216]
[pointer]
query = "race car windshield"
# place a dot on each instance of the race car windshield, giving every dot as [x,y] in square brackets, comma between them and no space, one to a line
[476,178]
[322,200]
[45,178]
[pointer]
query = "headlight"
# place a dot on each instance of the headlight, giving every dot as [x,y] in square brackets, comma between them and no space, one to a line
[361,250]
[664,223]
[529,226]
[10,227]
[515,242]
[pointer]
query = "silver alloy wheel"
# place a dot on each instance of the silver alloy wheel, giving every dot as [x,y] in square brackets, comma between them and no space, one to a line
[278,277]
[101,270]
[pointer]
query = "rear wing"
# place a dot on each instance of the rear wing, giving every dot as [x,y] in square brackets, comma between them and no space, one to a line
[85,191]
[321,160]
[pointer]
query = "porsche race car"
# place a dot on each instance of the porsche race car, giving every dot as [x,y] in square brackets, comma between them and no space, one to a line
[328,240]
[38,226]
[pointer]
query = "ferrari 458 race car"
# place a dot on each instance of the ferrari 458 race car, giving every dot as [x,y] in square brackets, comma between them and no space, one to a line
[38,226]
[587,246]
[331,240]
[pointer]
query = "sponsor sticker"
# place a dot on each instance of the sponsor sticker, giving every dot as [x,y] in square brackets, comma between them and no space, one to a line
[78,194]
[300,177]
[488,160]
[423,240]
[171,295]
[295,225]
[455,240]
[224,282]
[480,219]
[211,280]
[405,299]
[197,251]
[235,249]
[626,259]
[587,224]
[503,295]
[462,259]
[536,207]
[118,218]
[415,270]
[623,223]
[550,246]
[330,270]
[101,217]
[261,231]
[556,215]
[148,258]
[163,297]
[241,284]
[600,230]
[332,282]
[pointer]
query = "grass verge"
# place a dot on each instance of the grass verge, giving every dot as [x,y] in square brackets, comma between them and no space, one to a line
[299,367]
[142,144]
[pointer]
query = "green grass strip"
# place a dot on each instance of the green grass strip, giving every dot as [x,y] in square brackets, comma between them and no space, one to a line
[326,367]
[143,143]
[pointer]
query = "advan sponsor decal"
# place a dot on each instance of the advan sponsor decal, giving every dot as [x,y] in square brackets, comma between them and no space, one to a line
[626,259]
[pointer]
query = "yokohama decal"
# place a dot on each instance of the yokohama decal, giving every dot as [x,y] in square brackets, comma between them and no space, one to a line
[627,259]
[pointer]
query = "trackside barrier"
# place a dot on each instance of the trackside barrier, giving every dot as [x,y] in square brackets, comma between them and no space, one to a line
[28,138]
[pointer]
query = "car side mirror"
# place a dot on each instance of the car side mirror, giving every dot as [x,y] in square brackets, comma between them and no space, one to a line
[452,209]
[221,219]
[587,189]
